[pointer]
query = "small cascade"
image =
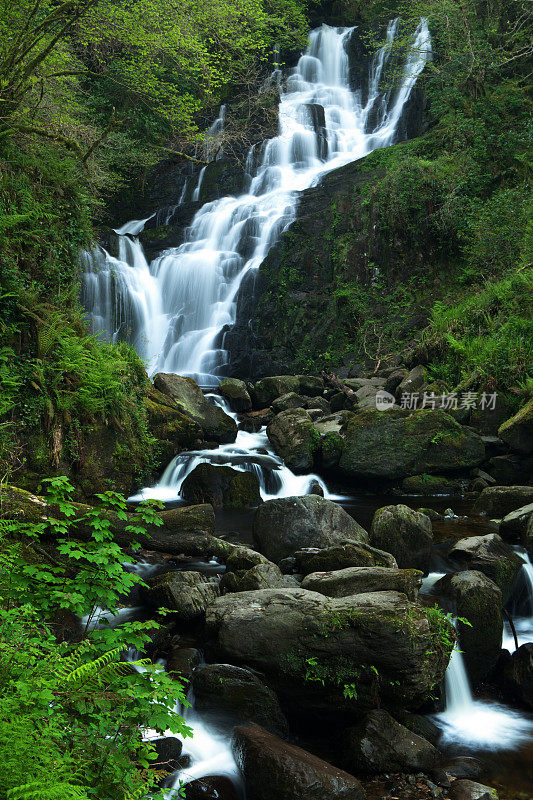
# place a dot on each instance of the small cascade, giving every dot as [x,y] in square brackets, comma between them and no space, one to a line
[521,605]
[175,310]
[477,724]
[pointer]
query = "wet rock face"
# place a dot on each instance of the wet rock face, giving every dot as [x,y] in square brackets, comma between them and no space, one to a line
[174,430]
[478,600]
[188,594]
[405,533]
[295,439]
[211,787]
[380,744]
[236,392]
[273,768]
[281,527]
[237,695]
[262,576]
[355,580]
[311,647]
[497,501]
[223,487]
[518,674]
[394,444]
[214,422]
[517,432]
[491,556]
[341,556]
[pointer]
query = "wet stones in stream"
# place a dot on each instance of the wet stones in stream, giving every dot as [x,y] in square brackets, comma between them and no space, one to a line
[356,580]
[498,501]
[186,594]
[337,557]
[405,533]
[211,787]
[492,556]
[222,486]
[516,671]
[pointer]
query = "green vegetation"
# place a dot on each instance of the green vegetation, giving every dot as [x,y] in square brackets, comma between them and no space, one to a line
[72,711]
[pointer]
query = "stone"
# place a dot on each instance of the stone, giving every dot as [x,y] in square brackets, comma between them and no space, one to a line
[394,444]
[490,555]
[341,556]
[267,389]
[405,533]
[517,431]
[294,438]
[318,402]
[168,749]
[222,486]
[186,593]
[282,526]
[394,379]
[174,430]
[518,673]
[273,768]
[236,392]
[513,526]
[379,744]
[497,501]
[286,401]
[463,789]
[211,787]
[478,600]
[430,485]
[183,660]
[243,558]
[355,580]
[511,469]
[310,385]
[214,422]
[414,381]
[310,647]
[262,576]
[237,696]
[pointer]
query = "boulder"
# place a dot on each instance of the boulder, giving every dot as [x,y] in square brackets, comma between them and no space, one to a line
[497,501]
[243,558]
[413,382]
[405,533]
[470,790]
[518,673]
[174,430]
[214,422]
[183,660]
[211,787]
[513,526]
[262,576]
[394,444]
[511,469]
[186,593]
[273,768]
[236,393]
[287,401]
[294,438]
[490,555]
[237,696]
[318,402]
[394,379]
[379,744]
[283,526]
[168,749]
[478,600]
[222,486]
[267,389]
[430,485]
[313,649]
[341,556]
[310,385]
[518,431]
[355,580]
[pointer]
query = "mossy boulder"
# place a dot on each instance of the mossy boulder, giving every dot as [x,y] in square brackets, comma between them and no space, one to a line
[341,556]
[283,526]
[356,580]
[498,501]
[478,600]
[294,438]
[223,487]
[236,392]
[286,401]
[189,399]
[430,485]
[405,533]
[490,555]
[174,430]
[394,444]
[267,389]
[187,594]
[518,431]
[262,576]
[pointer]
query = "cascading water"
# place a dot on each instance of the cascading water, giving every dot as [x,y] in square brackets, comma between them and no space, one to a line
[174,311]
[521,608]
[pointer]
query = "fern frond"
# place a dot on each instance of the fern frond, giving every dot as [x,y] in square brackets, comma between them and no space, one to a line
[46,791]
[92,668]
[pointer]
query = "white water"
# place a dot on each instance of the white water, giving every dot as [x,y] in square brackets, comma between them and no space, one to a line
[174,310]
[250,452]
[522,606]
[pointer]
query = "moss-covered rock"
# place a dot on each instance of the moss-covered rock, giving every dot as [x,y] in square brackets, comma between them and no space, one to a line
[356,580]
[518,431]
[174,430]
[405,533]
[223,487]
[294,438]
[189,399]
[236,392]
[430,484]
[188,594]
[491,556]
[341,556]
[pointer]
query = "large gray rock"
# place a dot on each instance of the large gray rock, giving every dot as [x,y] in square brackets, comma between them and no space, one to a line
[281,527]
[518,673]
[405,533]
[189,399]
[518,431]
[243,558]
[236,392]
[237,695]
[261,576]
[513,526]
[222,486]
[355,580]
[294,438]
[478,600]
[413,382]
[395,443]
[380,744]
[497,501]
[188,594]
[341,556]
[490,555]
[287,401]
[311,647]
[267,389]
[272,768]
[463,789]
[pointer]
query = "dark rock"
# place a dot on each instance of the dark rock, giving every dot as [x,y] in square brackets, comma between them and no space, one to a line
[262,576]
[511,469]
[518,673]
[215,423]
[354,580]
[478,600]
[183,660]
[267,389]
[168,750]
[468,790]
[243,558]
[394,444]
[518,431]
[294,438]
[490,555]
[284,525]
[405,533]
[380,744]
[174,430]
[341,556]
[287,401]
[513,526]
[186,593]
[430,485]
[223,487]
[211,787]
[497,501]
[236,393]
[414,381]
[273,768]
[235,696]
[310,647]
[394,379]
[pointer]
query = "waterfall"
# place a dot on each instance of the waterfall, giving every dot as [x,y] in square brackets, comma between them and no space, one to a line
[521,605]
[174,311]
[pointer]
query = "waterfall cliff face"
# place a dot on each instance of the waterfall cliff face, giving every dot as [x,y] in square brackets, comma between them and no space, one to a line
[176,309]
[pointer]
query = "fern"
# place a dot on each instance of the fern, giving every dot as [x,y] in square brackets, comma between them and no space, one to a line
[42,790]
